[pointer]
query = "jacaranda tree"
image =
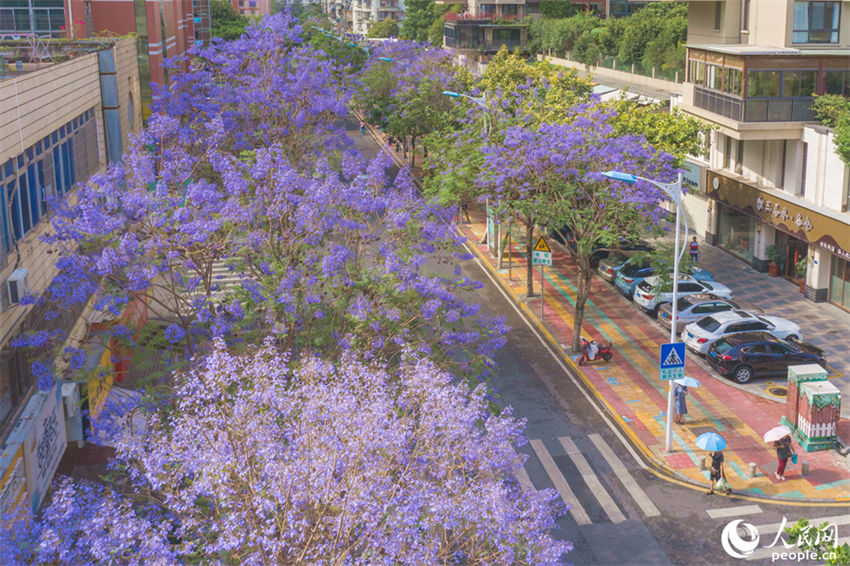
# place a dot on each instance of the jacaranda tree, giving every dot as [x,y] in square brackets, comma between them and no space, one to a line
[348,462]
[552,176]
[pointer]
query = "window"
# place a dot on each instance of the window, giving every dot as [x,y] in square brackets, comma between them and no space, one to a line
[739,157]
[799,83]
[838,82]
[718,15]
[816,22]
[803,174]
[697,72]
[733,81]
[763,83]
[727,153]
[745,18]
[713,75]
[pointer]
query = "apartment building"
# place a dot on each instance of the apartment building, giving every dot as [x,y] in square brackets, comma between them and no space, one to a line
[772,177]
[355,16]
[252,7]
[486,25]
[164,28]
[60,122]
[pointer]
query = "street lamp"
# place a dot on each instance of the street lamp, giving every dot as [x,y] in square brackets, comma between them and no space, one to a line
[481,102]
[674,191]
[369,53]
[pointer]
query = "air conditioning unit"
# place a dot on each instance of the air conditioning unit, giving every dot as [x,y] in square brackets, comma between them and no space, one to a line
[17,285]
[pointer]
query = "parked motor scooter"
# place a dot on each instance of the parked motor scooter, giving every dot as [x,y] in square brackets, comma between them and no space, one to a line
[591,351]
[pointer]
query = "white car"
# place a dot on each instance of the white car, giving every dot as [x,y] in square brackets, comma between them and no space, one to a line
[648,294]
[699,335]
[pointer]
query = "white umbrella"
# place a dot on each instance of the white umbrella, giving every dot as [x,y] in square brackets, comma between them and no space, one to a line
[776,433]
[687,382]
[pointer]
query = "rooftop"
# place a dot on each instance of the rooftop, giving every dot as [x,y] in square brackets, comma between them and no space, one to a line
[744,49]
[25,53]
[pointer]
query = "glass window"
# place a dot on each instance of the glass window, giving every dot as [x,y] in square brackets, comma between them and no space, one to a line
[14,209]
[816,22]
[839,284]
[799,83]
[697,70]
[838,82]
[712,76]
[736,232]
[763,83]
[733,81]
[718,14]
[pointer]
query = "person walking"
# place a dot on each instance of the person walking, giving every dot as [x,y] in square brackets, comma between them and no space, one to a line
[783,452]
[693,246]
[362,127]
[680,393]
[717,474]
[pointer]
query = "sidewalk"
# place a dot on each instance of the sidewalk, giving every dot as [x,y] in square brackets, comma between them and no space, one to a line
[629,384]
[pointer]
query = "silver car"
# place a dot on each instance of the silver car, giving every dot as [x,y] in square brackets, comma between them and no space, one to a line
[692,308]
[609,266]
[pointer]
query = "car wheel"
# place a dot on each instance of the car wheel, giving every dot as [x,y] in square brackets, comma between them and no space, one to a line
[743,374]
[792,338]
[581,361]
[607,357]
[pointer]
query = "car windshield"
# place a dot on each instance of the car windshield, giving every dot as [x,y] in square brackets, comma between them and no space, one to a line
[683,304]
[722,346]
[632,267]
[767,322]
[708,324]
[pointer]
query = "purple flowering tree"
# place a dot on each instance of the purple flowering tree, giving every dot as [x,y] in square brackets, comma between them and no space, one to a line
[551,176]
[326,463]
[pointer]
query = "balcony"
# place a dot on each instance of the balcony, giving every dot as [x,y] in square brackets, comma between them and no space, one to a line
[754,109]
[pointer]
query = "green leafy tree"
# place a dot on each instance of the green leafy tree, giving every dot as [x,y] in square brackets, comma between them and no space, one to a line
[226,23]
[384,28]
[556,8]
[419,15]
[821,540]
[834,111]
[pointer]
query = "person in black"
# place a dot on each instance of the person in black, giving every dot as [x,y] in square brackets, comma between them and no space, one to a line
[716,472]
[783,452]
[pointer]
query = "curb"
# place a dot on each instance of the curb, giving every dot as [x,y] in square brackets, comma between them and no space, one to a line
[654,465]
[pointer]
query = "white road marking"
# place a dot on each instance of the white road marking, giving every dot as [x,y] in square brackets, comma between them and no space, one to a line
[592,481]
[733,511]
[576,510]
[843,519]
[579,387]
[639,495]
[523,478]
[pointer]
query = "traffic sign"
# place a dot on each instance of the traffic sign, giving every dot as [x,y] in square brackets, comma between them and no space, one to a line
[672,363]
[541,255]
[542,246]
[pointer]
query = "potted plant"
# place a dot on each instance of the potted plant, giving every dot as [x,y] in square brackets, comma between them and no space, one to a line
[776,255]
[801,267]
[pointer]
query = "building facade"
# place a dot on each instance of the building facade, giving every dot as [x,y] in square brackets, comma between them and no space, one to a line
[252,7]
[485,26]
[355,16]
[772,177]
[60,123]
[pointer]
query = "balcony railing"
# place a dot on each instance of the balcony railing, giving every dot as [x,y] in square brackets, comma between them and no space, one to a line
[754,109]
[497,44]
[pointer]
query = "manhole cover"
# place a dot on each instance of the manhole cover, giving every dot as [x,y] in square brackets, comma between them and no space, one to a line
[777,391]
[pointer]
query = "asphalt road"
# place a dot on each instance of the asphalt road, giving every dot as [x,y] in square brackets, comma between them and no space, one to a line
[622,513]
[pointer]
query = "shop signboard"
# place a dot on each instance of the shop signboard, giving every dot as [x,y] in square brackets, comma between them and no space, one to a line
[45,441]
[808,225]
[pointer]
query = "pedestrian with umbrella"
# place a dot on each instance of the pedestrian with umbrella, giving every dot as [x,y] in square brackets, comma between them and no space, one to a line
[780,436]
[715,444]
[680,393]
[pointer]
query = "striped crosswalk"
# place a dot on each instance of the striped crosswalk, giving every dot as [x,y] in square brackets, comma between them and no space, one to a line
[581,474]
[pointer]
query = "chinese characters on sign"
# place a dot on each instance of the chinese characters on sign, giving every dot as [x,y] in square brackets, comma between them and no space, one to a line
[781,213]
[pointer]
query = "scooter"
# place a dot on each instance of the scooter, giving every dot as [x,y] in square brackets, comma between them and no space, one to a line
[593,351]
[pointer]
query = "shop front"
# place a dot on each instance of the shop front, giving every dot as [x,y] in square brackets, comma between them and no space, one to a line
[750,220]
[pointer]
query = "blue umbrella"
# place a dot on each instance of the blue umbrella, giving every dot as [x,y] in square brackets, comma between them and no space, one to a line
[711,441]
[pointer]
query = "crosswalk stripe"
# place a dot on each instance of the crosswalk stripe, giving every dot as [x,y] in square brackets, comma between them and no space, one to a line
[576,510]
[523,478]
[592,480]
[733,511]
[641,498]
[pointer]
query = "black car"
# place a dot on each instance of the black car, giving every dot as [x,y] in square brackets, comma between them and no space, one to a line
[749,354]
[600,249]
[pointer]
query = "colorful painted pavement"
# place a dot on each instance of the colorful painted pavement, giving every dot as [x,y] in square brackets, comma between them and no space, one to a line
[630,386]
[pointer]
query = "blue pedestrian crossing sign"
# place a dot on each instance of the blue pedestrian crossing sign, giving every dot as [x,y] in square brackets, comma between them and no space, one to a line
[672,364]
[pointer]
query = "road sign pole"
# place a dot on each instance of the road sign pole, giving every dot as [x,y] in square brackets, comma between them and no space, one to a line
[668,440]
[541,292]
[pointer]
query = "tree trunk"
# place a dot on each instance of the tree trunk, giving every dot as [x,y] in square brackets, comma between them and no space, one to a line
[412,150]
[529,251]
[584,275]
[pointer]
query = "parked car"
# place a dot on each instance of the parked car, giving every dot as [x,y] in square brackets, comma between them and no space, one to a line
[609,266]
[700,335]
[691,308]
[601,250]
[758,354]
[654,290]
[633,272]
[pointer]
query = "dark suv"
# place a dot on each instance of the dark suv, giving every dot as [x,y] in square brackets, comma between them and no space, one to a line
[744,356]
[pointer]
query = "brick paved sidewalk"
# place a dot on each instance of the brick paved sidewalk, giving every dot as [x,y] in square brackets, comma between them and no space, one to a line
[630,385]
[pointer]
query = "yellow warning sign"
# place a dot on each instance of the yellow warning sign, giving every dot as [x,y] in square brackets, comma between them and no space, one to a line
[542,246]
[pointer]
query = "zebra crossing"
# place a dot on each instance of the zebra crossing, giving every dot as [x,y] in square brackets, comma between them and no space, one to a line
[584,477]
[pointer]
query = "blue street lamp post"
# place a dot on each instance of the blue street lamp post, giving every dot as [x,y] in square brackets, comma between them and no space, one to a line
[674,191]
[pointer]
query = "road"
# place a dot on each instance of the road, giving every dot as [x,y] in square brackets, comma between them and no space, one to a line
[621,513]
